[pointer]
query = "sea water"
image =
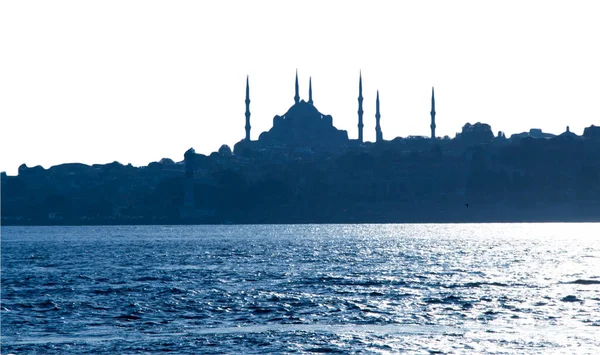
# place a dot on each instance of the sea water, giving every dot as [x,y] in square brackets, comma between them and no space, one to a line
[368,289]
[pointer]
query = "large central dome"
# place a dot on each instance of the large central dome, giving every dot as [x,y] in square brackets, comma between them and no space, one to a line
[304,125]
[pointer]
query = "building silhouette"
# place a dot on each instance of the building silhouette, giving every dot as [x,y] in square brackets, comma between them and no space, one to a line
[297,96]
[378,133]
[305,170]
[360,109]
[310,100]
[432,114]
[247,109]
[303,125]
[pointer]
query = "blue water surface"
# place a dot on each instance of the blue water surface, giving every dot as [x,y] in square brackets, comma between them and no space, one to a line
[356,289]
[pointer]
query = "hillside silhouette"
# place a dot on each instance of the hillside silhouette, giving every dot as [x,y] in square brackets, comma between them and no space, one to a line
[305,170]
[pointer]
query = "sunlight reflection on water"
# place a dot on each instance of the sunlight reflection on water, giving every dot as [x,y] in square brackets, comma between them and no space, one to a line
[506,288]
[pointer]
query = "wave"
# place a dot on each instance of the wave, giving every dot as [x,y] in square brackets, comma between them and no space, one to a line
[583,282]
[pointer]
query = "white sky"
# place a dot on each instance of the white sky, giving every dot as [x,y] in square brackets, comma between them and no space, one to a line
[136,81]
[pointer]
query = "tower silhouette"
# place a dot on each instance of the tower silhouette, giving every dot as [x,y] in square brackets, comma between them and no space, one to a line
[310,101]
[432,114]
[297,96]
[360,108]
[378,134]
[247,109]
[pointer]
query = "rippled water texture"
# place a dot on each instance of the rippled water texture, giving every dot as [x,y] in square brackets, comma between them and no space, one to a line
[479,288]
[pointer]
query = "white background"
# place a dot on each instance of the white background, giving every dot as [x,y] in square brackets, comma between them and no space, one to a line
[136,81]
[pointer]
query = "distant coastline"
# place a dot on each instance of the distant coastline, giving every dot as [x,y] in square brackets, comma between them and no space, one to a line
[567,213]
[305,170]
[411,180]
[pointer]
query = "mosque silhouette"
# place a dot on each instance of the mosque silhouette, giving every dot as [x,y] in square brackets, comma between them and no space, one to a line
[303,125]
[305,170]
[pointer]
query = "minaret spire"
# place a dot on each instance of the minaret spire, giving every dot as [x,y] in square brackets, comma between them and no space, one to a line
[432,114]
[378,134]
[297,96]
[310,101]
[360,108]
[247,109]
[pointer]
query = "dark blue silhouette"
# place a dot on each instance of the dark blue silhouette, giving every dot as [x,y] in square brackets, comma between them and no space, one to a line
[360,109]
[247,109]
[304,169]
[378,133]
[432,114]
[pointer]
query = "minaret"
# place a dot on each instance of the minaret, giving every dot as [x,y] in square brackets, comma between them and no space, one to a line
[297,97]
[247,109]
[432,114]
[378,135]
[360,109]
[310,101]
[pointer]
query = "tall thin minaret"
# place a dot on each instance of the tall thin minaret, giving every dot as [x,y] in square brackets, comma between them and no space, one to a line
[297,96]
[360,109]
[432,114]
[310,101]
[247,109]
[378,134]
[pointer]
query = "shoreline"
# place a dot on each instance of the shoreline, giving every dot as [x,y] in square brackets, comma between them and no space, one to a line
[192,223]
